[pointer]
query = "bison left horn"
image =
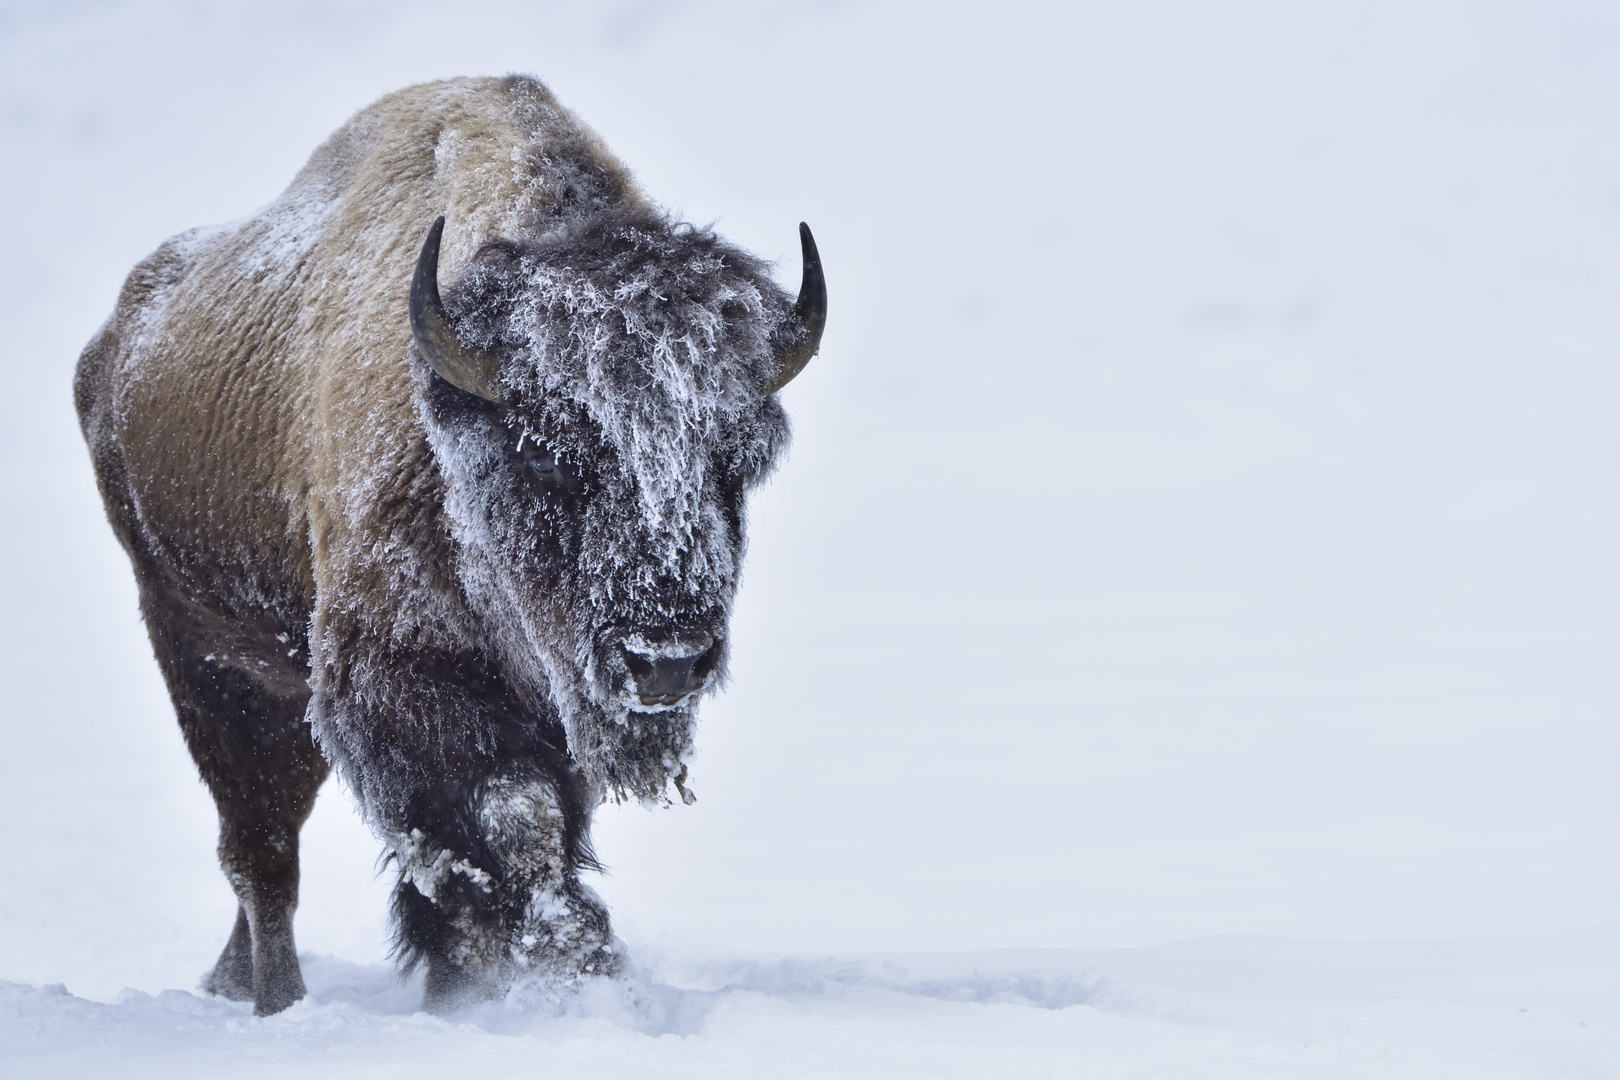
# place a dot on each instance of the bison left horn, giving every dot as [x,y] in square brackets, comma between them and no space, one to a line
[466,369]
[801,337]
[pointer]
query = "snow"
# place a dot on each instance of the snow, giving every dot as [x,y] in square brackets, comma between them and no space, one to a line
[1252,1007]
[1181,641]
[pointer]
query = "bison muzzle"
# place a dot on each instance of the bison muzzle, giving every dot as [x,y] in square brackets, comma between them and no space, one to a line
[476,550]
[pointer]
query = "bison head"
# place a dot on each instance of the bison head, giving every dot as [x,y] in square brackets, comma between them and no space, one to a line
[604,401]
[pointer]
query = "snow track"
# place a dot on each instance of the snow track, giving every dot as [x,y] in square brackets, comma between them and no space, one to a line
[1218,1007]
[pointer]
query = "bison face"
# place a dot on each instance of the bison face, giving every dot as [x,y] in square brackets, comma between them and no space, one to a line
[604,399]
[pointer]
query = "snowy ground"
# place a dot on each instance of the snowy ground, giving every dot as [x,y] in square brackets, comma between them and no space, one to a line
[1182,642]
[1235,1006]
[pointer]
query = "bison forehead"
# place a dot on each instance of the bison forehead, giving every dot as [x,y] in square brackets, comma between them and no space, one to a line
[656,337]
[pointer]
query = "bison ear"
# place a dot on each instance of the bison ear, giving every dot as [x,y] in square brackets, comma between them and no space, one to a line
[471,370]
[800,336]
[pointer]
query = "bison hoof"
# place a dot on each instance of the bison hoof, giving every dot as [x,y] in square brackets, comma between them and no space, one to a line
[226,982]
[232,977]
[276,999]
[449,987]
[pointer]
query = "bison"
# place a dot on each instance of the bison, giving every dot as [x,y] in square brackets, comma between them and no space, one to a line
[476,550]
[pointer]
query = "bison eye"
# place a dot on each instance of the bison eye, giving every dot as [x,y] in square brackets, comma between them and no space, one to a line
[543,469]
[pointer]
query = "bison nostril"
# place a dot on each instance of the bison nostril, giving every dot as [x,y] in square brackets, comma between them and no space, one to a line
[704,663]
[640,666]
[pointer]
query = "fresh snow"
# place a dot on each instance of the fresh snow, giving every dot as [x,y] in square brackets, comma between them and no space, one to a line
[1249,1007]
[1182,639]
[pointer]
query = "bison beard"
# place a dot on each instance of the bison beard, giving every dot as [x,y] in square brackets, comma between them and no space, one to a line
[484,570]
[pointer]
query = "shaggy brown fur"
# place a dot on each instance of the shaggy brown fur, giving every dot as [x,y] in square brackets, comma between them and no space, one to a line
[277,461]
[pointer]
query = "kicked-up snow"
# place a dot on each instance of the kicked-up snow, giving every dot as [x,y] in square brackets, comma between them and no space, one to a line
[1217,1007]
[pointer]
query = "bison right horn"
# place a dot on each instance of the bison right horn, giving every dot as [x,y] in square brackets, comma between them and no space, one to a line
[802,336]
[466,369]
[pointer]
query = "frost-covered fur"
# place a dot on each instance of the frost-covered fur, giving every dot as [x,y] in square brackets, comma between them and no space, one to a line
[331,539]
[612,327]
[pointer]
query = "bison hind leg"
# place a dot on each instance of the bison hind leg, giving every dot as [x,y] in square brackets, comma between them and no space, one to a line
[259,760]
[232,976]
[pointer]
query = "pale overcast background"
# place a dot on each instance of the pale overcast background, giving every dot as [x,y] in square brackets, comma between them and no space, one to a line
[1201,521]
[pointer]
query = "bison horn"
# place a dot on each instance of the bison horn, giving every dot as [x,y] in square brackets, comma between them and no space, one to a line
[802,336]
[466,369]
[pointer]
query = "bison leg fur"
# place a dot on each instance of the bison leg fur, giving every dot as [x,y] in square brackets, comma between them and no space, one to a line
[262,767]
[232,976]
[490,902]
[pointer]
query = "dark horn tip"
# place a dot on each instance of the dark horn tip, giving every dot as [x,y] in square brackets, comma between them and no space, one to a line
[807,245]
[466,369]
[812,302]
[430,246]
[809,317]
[425,282]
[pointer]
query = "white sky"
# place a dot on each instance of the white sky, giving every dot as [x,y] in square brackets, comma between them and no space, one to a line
[1203,513]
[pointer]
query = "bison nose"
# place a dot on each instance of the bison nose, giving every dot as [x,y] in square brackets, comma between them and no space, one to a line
[668,671]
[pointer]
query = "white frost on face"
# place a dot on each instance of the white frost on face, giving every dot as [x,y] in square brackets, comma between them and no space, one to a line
[667,419]
[639,353]
[676,648]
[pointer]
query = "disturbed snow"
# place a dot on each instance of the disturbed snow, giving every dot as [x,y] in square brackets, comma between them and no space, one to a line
[1218,1007]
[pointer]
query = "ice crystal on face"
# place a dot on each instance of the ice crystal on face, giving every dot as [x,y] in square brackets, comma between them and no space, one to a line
[637,352]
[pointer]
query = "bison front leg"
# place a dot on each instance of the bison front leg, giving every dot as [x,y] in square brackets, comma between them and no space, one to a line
[484,814]
[491,900]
